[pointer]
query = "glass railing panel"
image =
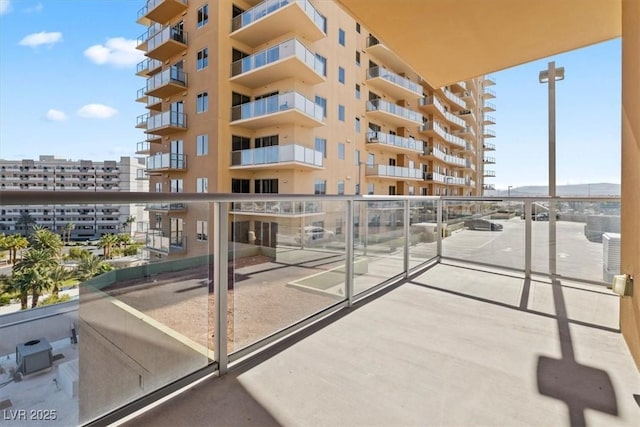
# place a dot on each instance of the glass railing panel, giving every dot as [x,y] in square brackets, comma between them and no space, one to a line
[393,78]
[170,75]
[423,231]
[270,6]
[283,269]
[381,105]
[378,243]
[268,56]
[485,232]
[277,103]
[167,34]
[168,118]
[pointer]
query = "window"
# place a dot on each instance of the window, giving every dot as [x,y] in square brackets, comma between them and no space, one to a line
[340,188]
[341,36]
[203,59]
[202,145]
[341,75]
[202,102]
[357,189]
[357,91]
[358,58]
[240,185]
[321,145]
[266,186]
[340,150]
[320,187]
[176,186]
[322,102]
[202,230]
[357,157]
[323,63]
[371,159]
[240,143]
[203,15]
[158,187]
[369,189]
[412,190]
[202,185]
[358,27]
[357,124]
[341,113]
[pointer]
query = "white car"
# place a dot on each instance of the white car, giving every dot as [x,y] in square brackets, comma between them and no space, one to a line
[317,234]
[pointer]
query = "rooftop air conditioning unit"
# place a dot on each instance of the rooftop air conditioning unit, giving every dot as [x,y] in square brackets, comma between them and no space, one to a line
[34,356]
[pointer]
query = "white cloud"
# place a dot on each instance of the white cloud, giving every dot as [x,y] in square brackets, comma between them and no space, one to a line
[5,6]
[97,111]
[117,51]
[55,115]
[38,39]
[34,9]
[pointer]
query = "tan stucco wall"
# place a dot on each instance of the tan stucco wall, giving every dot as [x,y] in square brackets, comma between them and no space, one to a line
[630,263]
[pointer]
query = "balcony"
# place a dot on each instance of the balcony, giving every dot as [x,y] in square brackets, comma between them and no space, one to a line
[167,207]
[167,83]
[154,103]
[469,98]
[143,147]
[156,241]
[488,133]
[457,102]
[489,160]
[448,158]
[141,121]
[489,80]
[291,156]
[393,114]
[165,162]
[167,43]
[487,146]
[287,108]
[489,173]
[387,56]
[435,129]
[394,143]
[141,96]
[488,120]
[166,123]
[488,107]
[278,209]
[488,94]
[467,131]
[394,173]
[489,187]
[163,11]
[394,85]
[147,67]
[143,39]
[264,22]
[432,105]
[287,59]
[446,179]
[468,116]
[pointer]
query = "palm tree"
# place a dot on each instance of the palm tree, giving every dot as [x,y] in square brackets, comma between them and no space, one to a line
[25,223]
[68,227]
[106,243]
[59,274]
[14,243]
[17,283]
[127,224]
[43,238]
[34,272]
[90,266]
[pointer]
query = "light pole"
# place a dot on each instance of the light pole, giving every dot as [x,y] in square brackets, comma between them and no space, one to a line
[549,76]
[509,190]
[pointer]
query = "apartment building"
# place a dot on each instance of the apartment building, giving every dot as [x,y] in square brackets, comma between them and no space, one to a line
[293,97]
[54,174]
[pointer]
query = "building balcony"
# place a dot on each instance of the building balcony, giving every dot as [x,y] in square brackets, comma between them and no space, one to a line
[286,108]
[166,123]
[487,146]
[467,131]
[167,83]
[167,207]
[156,241]
[381,52]
[448,158]
[153,139]
[147,67]
[468,116]
[154,103]
[143,147]
[141,17]
[457,102]
[287,59]
[141,121]
[292,156]
[488,133]
[264,22]
[143,39]
[394,143]
[163,11]
[489,187]
[489,173]
[393,114]
[446,179]
[488,107]
[469,98]
[141,96]
[394,173]
[488,94]
[278,208]
[165,162]
[489,80]
[170,41]
[488,120]
[489,160]
[394,85]
[432,105]
[435,129]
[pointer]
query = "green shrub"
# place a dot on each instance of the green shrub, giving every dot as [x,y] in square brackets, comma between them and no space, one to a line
[5,299]
[50,300]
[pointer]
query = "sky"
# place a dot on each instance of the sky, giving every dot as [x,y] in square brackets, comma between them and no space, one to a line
[68,88]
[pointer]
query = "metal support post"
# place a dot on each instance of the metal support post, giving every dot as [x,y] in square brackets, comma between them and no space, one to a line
[221,282]
[439,227]
[528,239]
[348,271]
[407,237]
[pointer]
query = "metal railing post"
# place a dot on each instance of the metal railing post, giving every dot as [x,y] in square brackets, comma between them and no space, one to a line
[220,283]
[552,238]
[528,238]
[439,228]
[348,271]
[407,237]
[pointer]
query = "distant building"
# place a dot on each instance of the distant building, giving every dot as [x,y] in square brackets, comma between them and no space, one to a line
[90,221]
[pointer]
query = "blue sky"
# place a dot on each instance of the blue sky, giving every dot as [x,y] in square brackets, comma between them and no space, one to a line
[68,86]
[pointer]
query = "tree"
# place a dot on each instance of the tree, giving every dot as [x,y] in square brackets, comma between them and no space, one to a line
[14,243]
[17,283]
[43,238]
[34,272]
[107,241]
[90,266]
[59,274]
[126,226]
[25,223]
[67,229]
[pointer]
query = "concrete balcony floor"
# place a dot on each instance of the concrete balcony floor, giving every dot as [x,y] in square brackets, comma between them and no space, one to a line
[454,346]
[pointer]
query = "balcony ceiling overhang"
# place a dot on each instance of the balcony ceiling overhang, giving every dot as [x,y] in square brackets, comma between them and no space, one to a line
[471,37]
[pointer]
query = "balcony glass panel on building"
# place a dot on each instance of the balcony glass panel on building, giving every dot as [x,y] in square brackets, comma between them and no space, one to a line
[286,108]
[292,156]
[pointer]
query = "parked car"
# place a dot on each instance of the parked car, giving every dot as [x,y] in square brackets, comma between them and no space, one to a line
[317,234]
[482,224]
